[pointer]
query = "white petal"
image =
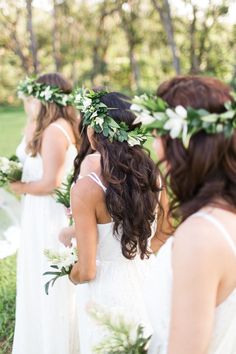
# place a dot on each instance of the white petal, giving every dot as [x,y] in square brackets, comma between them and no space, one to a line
[171,114]
[147,118]
[181,111]
[135,107]
[175,131]
[137,120]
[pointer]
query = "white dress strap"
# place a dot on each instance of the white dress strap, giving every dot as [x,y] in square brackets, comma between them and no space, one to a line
[97,180]
[63,130]
[220,227]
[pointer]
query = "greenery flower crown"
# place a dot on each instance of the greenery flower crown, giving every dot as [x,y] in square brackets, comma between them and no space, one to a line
[96,115]
[180,122]
[43,92]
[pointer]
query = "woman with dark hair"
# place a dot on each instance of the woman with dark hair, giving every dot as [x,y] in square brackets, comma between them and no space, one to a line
[44,324]
[194,121]
[115,209]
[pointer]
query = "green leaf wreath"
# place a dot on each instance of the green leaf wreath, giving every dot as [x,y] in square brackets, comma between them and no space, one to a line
[96,115]
[181,122]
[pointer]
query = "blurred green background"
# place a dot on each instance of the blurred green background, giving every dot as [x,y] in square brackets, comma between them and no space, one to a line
[12,120]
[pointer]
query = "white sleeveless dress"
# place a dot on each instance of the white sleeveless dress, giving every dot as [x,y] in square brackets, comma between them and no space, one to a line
[223,339]
[45,324]
[121,285]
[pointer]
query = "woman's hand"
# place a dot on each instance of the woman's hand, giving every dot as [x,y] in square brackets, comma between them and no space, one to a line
[18,187]
[66,235]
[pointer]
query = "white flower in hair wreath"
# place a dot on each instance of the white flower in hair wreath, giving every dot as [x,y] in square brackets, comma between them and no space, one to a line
[43,92]
[96,115]
[182,123]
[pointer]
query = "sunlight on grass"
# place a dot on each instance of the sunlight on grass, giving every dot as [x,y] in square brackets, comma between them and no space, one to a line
[12,121]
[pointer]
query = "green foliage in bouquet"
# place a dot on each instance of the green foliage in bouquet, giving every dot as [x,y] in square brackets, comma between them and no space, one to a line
[61,263]
[10,170]
[62,194]
[124,337]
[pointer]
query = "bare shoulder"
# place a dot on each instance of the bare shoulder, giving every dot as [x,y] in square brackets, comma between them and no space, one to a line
[86,191]
[90,164]
[197,238]
[53,135]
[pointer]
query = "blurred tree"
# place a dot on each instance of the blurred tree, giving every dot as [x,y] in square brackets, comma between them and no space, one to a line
[130,21]
[32,37]
[163,8]
[56,45]
[127,45]
[10,38]
[202,24]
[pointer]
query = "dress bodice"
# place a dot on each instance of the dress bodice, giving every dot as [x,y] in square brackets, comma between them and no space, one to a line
[108,247]
[33,166]
[223,339]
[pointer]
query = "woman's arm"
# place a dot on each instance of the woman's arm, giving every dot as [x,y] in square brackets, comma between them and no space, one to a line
[54,146]
[83,202]
[197,275]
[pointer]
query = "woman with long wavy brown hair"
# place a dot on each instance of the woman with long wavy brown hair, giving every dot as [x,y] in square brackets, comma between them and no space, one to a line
[44,324]
[115,209]
[196,139]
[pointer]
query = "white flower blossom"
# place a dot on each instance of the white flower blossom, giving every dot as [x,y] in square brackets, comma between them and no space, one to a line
[99,121]
[63,258]
[64,100]
[21,95]
[136,107]
[87,102]
[133,141]
[4,164]
[78,97]
[47,93]
[145,118]
[30,89]
[177,122]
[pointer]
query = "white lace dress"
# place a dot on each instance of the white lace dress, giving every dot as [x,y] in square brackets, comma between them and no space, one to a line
[224,334]
[121,286]
[45,324]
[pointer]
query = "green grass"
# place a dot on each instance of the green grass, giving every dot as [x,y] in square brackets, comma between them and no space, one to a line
[7,303]
[12,121]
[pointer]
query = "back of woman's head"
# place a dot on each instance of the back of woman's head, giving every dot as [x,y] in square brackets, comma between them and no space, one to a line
[131,178]
[205,172]
[51,111]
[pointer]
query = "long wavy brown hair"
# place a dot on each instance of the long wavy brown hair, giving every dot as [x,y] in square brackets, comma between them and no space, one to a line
[205,173]
[50,112]
[131,178]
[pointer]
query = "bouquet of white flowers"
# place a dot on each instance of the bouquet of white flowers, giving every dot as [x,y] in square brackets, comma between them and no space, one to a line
[61,261]
[124,336]
[10,170]
[62,196]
